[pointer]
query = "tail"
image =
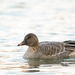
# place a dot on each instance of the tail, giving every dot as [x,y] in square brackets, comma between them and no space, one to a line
[69,45]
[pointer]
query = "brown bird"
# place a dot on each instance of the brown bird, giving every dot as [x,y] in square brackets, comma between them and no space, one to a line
[46,49]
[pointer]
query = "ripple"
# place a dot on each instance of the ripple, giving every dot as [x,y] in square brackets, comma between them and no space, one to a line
[51,20]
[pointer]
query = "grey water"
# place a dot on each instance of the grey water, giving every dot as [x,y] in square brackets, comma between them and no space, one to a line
[50,20]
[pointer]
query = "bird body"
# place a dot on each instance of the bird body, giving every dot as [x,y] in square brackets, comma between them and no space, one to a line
[45,49]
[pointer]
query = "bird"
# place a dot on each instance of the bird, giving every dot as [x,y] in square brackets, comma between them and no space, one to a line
[46,49]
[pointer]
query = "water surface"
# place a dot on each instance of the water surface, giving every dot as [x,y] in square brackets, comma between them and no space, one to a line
[50,20]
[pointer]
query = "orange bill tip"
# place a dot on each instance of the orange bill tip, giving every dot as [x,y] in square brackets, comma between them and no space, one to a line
[20,44]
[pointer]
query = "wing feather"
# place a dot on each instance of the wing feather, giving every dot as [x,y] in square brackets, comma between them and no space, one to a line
[51,48]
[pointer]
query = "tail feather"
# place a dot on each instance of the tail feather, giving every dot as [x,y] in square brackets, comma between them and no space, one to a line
[70,42]
[70,45]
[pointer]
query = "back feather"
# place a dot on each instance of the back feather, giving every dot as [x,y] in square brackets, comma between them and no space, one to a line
[51,48]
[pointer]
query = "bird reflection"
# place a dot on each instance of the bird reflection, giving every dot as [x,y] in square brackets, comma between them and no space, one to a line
[35,63]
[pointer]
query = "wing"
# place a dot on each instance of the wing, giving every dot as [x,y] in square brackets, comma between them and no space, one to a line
[51,48]
[70,45]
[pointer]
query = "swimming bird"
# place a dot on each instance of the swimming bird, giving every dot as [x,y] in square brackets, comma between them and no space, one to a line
[46,49]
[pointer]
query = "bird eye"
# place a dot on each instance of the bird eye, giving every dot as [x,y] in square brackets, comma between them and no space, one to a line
[29,37]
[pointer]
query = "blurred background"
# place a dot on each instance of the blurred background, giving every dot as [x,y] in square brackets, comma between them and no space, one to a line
[50,20]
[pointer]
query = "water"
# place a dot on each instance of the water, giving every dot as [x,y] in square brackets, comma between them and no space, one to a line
[50,20]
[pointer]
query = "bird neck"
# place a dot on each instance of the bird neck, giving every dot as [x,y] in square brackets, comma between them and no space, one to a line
[35,48]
